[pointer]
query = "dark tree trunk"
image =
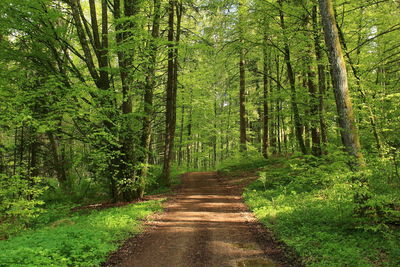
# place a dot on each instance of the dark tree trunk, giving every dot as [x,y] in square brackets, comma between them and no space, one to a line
[149,95]
[242,101]
[2,158]
[314,100]
[265,122]
[59,164]
[180,152]
[189,132]
[296,115]
[126,161]
[242,85]
[170,121]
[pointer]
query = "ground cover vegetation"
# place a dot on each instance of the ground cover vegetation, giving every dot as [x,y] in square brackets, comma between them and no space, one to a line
[309,204]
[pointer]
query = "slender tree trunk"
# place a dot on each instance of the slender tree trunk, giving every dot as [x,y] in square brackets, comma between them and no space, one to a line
[58,162]
[273,111]
[242,101]
[297,120]
[189,132]
[2,157]
[265,122]
[214,138]
[242,84]
[180,151]
[347,124]
[321,80]
[34,159]
[314,100]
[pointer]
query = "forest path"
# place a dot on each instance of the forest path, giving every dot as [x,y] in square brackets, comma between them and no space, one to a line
[205,224]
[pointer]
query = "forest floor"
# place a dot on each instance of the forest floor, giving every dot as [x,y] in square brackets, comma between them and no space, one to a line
[205,223]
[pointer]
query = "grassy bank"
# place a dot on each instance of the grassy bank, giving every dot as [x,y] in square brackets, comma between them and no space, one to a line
[310,205]
[82,239]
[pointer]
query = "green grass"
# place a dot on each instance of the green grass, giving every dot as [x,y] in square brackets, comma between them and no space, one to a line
[308,204]
[79,240]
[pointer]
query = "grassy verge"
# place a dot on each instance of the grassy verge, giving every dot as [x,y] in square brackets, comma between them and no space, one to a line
[79,240]
[309,204]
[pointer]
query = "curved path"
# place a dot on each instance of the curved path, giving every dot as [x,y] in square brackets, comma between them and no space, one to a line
[206,224]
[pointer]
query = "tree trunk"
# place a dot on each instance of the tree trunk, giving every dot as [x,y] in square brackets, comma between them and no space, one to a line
[321,80]
[265,143]
[242,100]
[347,124]
[297,120]
[312,90]
[242,84]
[149,95]
[126,162]
[189,131]
[170,121]
[58,162]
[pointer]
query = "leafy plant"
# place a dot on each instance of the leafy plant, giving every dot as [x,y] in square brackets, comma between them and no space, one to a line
[80,240]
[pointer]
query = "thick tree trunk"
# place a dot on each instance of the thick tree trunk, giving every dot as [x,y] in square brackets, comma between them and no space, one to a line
[347,124]
[355,70]
[149,95]
[170,115]
[125,55]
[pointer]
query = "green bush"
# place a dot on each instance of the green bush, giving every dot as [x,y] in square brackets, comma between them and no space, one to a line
[19,202]
[84,240]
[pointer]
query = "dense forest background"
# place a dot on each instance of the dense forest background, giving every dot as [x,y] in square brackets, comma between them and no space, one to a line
[106,100]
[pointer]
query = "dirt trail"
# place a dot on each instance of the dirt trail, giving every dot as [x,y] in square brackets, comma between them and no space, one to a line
[207,224]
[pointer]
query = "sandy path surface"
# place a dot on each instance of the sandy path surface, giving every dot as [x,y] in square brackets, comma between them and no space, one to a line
[206,224]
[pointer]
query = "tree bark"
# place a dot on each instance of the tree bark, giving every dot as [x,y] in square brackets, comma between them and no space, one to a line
[265,143]
[126,159]
[242,84]
[58,162]
[344,106]
[297,120]
[170,115]
[321,80]
[150,85]
[312,90]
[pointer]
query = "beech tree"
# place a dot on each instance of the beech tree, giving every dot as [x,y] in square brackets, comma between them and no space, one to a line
[344,105]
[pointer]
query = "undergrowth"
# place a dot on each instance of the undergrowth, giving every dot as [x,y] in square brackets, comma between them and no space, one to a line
[84,239]
[328,214]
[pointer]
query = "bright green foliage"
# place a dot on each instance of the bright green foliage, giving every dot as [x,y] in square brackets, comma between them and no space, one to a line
[311,204]
[19,202]
[84,240]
